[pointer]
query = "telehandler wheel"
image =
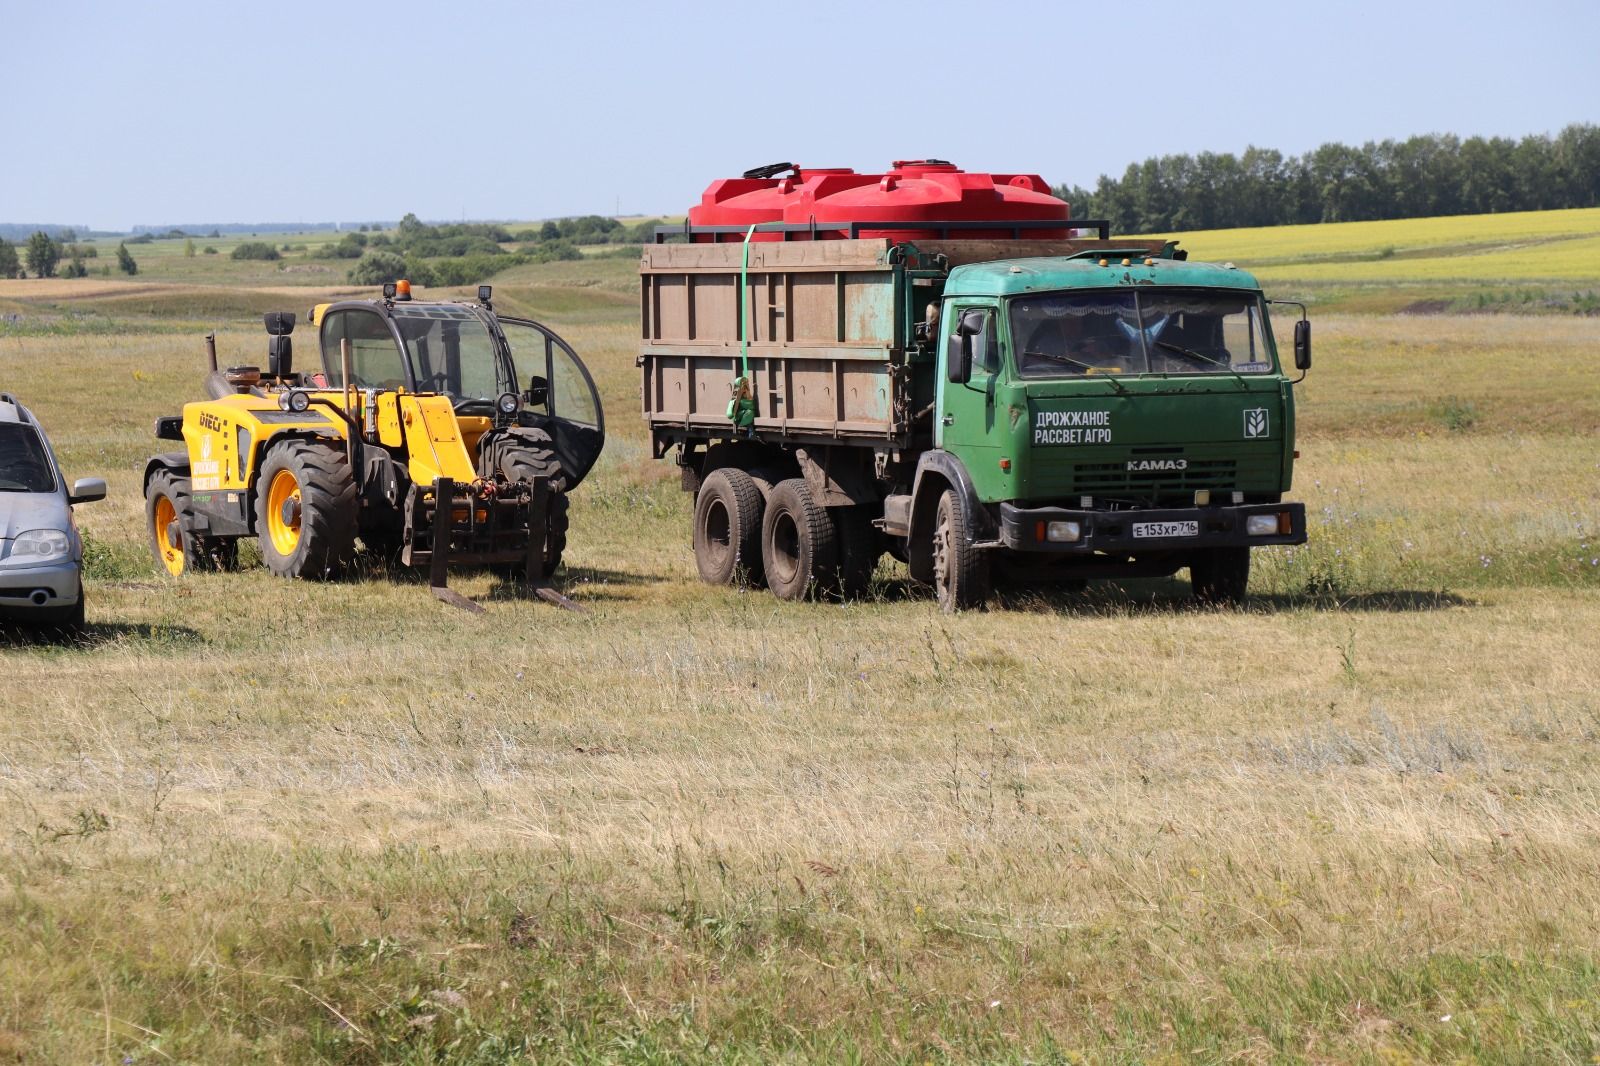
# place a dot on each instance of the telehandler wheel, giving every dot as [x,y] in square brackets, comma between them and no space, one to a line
[727,529]
[177,549]
[960,571]
[524,462]
[1220,576]
[798,553]
[859,549]
[306,510]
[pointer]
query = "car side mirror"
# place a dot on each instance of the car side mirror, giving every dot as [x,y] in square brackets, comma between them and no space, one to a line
[971,323]
[1302,344]
[538,391]
[87,490]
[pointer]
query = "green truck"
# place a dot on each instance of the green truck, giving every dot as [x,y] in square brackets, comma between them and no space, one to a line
[1027,411]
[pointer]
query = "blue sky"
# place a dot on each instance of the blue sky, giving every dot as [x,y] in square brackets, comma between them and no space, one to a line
[222,112]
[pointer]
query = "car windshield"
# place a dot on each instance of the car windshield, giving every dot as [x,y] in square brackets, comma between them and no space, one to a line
[452,351]
[24,466]
[1139,332]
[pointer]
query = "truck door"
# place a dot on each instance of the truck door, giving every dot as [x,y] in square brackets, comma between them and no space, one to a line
[966,412]
[571,411]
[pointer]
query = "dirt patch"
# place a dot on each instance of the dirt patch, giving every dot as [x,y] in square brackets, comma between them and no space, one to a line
[1427,307]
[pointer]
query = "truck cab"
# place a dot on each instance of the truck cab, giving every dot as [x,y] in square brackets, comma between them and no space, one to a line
[1112,415]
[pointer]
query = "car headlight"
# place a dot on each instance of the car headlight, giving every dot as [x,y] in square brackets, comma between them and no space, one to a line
[1261,525]
[1068,532]
[40,546]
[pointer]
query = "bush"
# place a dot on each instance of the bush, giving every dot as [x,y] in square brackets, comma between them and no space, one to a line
[208,250]
[254,250]
[10,265]
[125,261]
[349,247]
[140,238]
[378,268]
[378,240]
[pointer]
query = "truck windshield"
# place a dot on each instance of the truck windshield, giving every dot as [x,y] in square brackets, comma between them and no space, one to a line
[23,464]
[1139,332]
[452,351]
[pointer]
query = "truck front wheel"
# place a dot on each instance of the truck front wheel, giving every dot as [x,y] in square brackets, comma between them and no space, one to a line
[798,552]
[727,528]
[960,571]
[1220,576]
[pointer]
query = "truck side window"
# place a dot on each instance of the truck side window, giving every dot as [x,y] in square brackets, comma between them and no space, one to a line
[374,356]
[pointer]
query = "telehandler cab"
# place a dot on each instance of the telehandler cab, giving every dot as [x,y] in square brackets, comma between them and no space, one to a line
[414,435]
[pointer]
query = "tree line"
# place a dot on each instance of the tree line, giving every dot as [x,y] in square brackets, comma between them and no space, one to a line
[1427,175]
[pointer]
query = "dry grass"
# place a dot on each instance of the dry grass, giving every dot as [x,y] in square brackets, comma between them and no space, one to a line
[254,820]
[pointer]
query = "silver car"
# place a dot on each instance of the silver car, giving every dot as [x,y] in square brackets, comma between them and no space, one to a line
[41,554]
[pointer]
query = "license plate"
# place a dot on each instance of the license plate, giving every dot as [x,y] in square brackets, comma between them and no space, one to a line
[1166,529]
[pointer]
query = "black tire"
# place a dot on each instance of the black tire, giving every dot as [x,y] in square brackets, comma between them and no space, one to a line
[327,510]
[524,462]
[960,571]
[798,553]
[727,529]
[859,549]
[196,553]
[1220,577]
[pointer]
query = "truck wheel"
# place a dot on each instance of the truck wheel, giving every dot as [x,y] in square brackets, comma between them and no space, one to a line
[859,549]
[797,547]
[524,462]
[727,528]
[1220,576]
[170,519]
[306,510]
[960,571]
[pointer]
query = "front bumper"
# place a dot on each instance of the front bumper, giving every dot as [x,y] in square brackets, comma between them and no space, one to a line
[61,582]
[1023,528]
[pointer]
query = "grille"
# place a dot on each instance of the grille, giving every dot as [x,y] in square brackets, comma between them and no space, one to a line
[1104,479]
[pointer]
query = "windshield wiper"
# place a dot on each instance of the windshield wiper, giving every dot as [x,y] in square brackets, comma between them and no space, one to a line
[1191,353]
[1111,378]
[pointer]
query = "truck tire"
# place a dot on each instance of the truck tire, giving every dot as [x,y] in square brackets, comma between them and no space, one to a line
[727,528]
[960,571]
[1220,576]
[169,517]
[524,462]
[306,510]
[859,549]
[798,553]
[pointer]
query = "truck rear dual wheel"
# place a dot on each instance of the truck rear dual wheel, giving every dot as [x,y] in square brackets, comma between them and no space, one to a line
[798,550]
[960,571]
[728,512]
[169,518]
[306,510]
[1220,576]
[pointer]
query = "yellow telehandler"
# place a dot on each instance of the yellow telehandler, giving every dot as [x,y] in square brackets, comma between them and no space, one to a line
[414,435]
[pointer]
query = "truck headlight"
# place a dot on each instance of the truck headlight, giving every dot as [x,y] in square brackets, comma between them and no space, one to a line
[1063,532]
[1261,525]
[40,546]
[509,403]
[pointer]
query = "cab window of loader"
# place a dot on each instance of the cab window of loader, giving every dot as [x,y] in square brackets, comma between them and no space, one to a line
[452,351]
[374,357]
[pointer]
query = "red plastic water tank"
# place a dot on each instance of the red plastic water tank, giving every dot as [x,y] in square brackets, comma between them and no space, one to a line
[911,191]
[740,202]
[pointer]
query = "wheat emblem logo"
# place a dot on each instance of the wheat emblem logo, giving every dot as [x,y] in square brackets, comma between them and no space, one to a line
[1255,422]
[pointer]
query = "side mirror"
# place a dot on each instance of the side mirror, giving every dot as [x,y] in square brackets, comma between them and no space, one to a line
[1302,344]
[87,490]
[538,393]
[971,323]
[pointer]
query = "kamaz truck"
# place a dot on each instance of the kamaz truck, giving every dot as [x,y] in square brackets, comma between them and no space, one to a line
[946,366]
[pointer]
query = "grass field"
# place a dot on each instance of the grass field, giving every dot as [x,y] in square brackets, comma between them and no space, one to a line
[253,820]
